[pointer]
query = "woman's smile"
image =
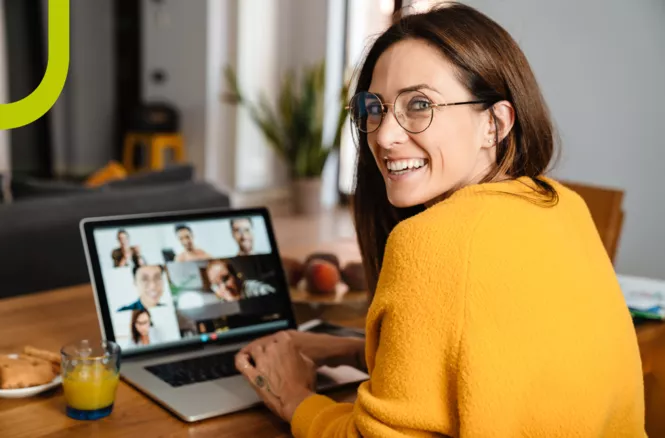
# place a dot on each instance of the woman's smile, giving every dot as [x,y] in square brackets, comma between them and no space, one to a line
[398,169]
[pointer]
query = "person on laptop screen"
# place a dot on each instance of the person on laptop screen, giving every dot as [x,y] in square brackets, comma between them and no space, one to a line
[243,234]
[230,285]
[149,285]
[141,328]
[126,253]
[191,252]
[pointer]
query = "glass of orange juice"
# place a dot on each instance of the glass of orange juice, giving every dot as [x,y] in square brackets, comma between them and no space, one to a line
[90,375]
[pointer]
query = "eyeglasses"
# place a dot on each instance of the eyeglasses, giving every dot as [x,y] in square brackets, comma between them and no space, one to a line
[413,110]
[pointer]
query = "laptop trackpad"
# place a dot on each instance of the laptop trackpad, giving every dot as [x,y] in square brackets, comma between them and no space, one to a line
[236,390]
[328,378]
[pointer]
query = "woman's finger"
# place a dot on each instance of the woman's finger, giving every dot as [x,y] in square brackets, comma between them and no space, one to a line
[251,345]
[245,367]
[258,381]
[250,372]
[257,353]
[243,361]
[261,341]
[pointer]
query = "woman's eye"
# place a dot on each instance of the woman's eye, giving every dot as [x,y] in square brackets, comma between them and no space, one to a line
[419,105]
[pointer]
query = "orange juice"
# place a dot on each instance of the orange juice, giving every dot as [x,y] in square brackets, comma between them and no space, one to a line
[90,375]
[90,387]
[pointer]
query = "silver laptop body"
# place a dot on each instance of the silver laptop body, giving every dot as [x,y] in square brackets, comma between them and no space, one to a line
[204,324]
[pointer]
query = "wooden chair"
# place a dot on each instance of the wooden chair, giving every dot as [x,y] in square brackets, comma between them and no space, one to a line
[606,211]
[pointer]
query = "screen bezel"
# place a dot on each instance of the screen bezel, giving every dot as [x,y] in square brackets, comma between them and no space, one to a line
[89,225]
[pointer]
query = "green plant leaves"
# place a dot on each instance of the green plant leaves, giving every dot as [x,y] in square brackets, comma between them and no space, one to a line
[294,127]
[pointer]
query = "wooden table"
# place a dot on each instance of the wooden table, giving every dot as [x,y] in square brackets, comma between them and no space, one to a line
[52,319]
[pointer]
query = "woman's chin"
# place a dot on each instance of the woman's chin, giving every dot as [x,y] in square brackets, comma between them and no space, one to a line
[404,200]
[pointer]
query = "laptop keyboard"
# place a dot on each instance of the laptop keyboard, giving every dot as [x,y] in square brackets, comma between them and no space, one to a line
[197,369]
[204,368]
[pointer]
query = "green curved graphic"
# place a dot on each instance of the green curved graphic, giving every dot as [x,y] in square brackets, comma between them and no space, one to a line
[32,107]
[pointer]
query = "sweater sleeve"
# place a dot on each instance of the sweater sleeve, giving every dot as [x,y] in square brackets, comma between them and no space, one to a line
[413,334]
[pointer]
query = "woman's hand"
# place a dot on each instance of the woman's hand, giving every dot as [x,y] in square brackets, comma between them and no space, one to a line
[322,349]
[279,373]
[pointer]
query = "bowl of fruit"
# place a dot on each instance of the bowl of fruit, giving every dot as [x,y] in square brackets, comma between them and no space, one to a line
[321,279]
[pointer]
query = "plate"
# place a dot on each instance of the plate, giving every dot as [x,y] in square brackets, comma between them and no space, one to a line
[31,391]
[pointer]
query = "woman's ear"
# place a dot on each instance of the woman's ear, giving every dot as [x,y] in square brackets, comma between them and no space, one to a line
[505,114]
[501,121]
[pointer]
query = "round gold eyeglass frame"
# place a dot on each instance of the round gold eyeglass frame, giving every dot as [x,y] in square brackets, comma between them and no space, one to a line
[385,106]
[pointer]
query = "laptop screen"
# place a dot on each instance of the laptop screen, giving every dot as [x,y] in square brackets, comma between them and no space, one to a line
[178,280]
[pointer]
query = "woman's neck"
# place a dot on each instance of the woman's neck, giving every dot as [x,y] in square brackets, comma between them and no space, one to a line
[479,179]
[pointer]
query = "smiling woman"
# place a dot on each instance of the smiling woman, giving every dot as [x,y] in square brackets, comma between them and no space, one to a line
[470,120]
[495,310]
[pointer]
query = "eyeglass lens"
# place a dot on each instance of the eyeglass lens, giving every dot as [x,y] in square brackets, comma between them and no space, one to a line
[413,111]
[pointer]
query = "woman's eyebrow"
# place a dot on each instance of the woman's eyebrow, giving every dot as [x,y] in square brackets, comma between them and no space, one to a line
[418,87]
[410,88]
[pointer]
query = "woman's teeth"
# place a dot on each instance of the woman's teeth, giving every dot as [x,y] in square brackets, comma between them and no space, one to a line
[398,167]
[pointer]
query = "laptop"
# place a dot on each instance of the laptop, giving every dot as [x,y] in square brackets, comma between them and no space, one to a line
[181,292]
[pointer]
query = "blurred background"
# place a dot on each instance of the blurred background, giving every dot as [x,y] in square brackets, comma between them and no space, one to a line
[145,67]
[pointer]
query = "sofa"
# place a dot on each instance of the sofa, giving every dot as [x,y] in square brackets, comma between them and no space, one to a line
[39,229]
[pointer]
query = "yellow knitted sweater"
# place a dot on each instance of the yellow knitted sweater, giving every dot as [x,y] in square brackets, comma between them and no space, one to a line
[494,316]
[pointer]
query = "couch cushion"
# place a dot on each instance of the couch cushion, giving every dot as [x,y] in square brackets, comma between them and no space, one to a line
[23,188]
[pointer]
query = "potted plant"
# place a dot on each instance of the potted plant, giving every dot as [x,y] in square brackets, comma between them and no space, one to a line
[294,128]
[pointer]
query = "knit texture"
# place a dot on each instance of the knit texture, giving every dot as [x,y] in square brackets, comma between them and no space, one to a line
[494,316]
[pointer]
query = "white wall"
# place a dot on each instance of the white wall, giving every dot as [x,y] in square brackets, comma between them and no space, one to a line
[220,119]
[5,158]
[192,41]
[258,68]
[175,40]
[601,66]
[335,77]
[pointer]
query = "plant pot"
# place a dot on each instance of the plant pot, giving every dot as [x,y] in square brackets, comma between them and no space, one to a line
[307,196]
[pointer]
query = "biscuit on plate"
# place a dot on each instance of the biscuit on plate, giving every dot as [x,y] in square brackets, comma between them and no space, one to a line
[24,372]
[42,354]
[50,356]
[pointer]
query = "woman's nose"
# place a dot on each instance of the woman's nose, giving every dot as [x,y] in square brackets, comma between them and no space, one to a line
[390,132]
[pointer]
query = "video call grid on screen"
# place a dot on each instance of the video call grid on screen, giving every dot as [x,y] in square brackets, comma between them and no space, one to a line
[176,281]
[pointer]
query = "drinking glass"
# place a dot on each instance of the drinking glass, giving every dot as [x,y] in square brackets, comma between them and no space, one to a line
[90,375]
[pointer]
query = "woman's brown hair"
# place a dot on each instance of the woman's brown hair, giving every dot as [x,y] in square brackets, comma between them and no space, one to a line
[489,63]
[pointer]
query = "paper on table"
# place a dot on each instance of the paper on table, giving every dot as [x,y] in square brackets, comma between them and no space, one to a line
[644,294]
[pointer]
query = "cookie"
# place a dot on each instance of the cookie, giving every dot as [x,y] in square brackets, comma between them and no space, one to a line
[54,358]
[42,354]
[24,372]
